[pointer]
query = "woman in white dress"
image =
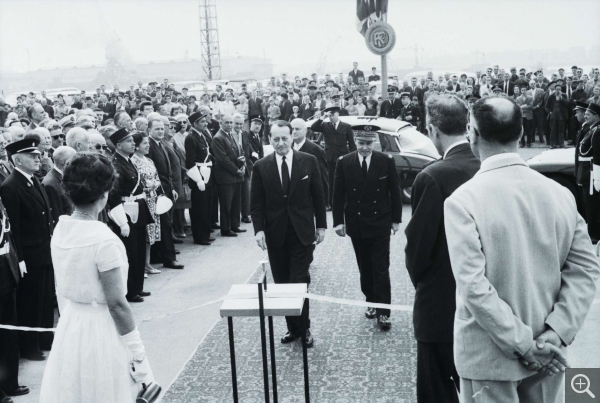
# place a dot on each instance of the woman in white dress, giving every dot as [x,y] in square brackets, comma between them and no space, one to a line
[97,346]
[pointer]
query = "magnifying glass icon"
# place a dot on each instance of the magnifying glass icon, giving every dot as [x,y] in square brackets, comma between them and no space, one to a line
[583,386]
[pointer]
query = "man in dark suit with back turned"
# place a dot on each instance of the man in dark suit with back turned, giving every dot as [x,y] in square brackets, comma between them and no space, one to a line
[339,141]
[52,183]
[427,259]
[28,209]
[367,206]
[287,199]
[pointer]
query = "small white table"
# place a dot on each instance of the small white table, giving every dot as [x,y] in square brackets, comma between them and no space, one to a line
[250,301]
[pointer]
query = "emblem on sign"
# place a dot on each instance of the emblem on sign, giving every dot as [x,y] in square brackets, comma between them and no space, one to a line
[380,38]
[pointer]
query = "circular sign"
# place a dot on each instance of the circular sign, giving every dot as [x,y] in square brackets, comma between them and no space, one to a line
[380,38]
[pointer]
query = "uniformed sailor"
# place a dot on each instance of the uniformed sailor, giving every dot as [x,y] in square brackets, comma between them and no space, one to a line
[589,151]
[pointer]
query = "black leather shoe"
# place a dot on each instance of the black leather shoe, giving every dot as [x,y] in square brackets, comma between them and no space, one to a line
[246,220]
[34,356]
[144,293]
[179,236]
[384,322]
[238,230]
[309,339]
[211,239]
[20,391]
[137,298]
[371,313]
[6,399]
[288,338]
[228,233]
[328,208]
[177,240]
[205,243]
[215,226]
[177,251]
[173,265]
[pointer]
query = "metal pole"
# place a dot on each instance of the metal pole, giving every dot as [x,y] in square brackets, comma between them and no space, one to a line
[232,355]
[263,340]
[273,368]
[305,354]
[384,77]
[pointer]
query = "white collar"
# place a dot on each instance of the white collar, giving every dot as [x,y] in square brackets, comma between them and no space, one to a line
[57,170]
[465,141]
[298,146]
[497,157]
[288,156]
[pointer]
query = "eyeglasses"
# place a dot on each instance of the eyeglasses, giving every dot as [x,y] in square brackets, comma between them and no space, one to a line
[101,147]
[58,136]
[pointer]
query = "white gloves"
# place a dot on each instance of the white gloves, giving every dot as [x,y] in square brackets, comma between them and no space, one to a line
[22,268]
[140,367]
[596,178]
[254,154]
[117,214]
[194,174]
[141,371]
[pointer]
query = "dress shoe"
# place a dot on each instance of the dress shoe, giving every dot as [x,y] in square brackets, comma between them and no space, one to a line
[6,399]
[152,270]
[177,251]
[228,233]
[187,226]
[136,298]
[173,265]
[144,293]
[177,240]
[215,226]
[20,391]
[205,243]
[34,356]
[211,239]
[238,230]
[328,208]
[384,322]
[371,313]
[288,338]
[541,141]
[145,275]
[309,339]
[246,220]
[182,235]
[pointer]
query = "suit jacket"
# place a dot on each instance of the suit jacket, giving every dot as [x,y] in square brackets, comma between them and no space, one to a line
[559,109]
[311,148]
[177,161]
[306,111]
[511,88]
[59,202]
[355,76]
[9,262]
[248,150]
[286,109]
[49,110]
[418,92]
[255,107]
[257,145]
[197,149]
[272,212]
[109,109]
[537,105]
[426,252]
[162,162]
[30,217]
[368,206]
[515,276]
[4,173]
[390,108]
[337,142]
[226,152]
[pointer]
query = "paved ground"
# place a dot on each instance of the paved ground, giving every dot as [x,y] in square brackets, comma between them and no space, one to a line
[351,357]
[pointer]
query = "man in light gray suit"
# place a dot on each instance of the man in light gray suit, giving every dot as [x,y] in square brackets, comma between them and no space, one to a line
[524,267]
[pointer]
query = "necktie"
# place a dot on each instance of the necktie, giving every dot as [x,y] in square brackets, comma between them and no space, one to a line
[364,167]
[285,177]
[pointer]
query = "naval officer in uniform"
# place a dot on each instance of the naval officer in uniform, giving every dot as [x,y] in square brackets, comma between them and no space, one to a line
[590,148]
[368,207]
[582,164]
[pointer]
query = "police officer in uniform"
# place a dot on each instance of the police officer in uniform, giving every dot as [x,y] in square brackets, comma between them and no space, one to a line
[582,164]
[367,206]
[391,107]
[28,209]
[408,113]
[589,151]
[129,213]
[339,140]
[199,162]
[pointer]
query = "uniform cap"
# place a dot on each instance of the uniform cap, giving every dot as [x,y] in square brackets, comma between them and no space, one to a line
[119,136]
[25,146]
[197,115]
[594,108]
[332,109]
[366,132]
[580,105]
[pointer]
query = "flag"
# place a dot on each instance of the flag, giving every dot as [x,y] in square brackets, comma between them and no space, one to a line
[368,12]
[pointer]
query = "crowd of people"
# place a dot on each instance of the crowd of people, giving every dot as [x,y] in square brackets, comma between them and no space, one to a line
[134,161]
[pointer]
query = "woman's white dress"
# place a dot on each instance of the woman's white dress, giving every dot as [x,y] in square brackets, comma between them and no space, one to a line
[88,361]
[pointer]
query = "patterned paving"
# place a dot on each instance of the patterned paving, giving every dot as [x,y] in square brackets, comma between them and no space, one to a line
[352,360]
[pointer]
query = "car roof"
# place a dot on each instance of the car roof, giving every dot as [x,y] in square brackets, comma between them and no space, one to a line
[386,124]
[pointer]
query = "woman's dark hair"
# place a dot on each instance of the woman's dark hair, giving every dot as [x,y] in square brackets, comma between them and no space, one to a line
[138,137]
[87,176]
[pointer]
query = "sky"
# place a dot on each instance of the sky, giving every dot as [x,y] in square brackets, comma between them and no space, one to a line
[42,34]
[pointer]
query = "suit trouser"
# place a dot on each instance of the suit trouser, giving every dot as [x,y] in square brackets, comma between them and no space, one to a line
[135,246]
[331,175]
[437,379]
[215,206]
[535,389]
[527,132]
[557,132]
[201,213]
[47,338]
[9,344]
[246,197]
[574,126]
[178,220]
[164,250]
[289,264]
[373,258]
[538,125]
[31,312]
[591,204]
[230,199]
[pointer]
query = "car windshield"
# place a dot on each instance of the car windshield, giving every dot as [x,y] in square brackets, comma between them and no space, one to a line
[388,143]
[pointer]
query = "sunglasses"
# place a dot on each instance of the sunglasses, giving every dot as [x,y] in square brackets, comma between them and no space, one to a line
[101,147]
[58,136]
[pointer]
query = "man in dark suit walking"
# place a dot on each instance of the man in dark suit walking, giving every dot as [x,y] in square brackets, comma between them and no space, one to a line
[306,146]
[164,250]
[427,259]
[52,183]
[557,107]
[287,199]
[286,107]
[355,73]
[367,206]
[255,106]
[339,141]
[229,171]
[28,210]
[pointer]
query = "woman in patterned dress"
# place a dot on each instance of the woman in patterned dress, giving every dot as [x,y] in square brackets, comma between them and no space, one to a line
[150,181]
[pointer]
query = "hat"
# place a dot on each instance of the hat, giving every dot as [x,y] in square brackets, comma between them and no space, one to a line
[312,87]
[68,120]
[496,88]
[594,108]
[25,146]
[405,94]
[184,88]
[258,120]
[574,67]
[197,115]
[551,83]
[119,136]
[366,132]
[580,106]
[329,81]
[335,96]
[332,109]
[392,88]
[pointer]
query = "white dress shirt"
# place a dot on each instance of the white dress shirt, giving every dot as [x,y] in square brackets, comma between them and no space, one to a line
[360,160]
[298,146]
[288,160]
[454,145]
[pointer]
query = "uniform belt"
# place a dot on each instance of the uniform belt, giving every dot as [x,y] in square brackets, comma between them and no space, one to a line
[585,159]
[5,249]
[133,198]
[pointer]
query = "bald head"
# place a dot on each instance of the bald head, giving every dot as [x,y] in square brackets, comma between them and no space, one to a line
[78,139]
[497,120]
[141,124]
[96,141]
[298,130]
[62,155]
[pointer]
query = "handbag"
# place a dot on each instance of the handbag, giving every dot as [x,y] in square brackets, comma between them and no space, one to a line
[149,393]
